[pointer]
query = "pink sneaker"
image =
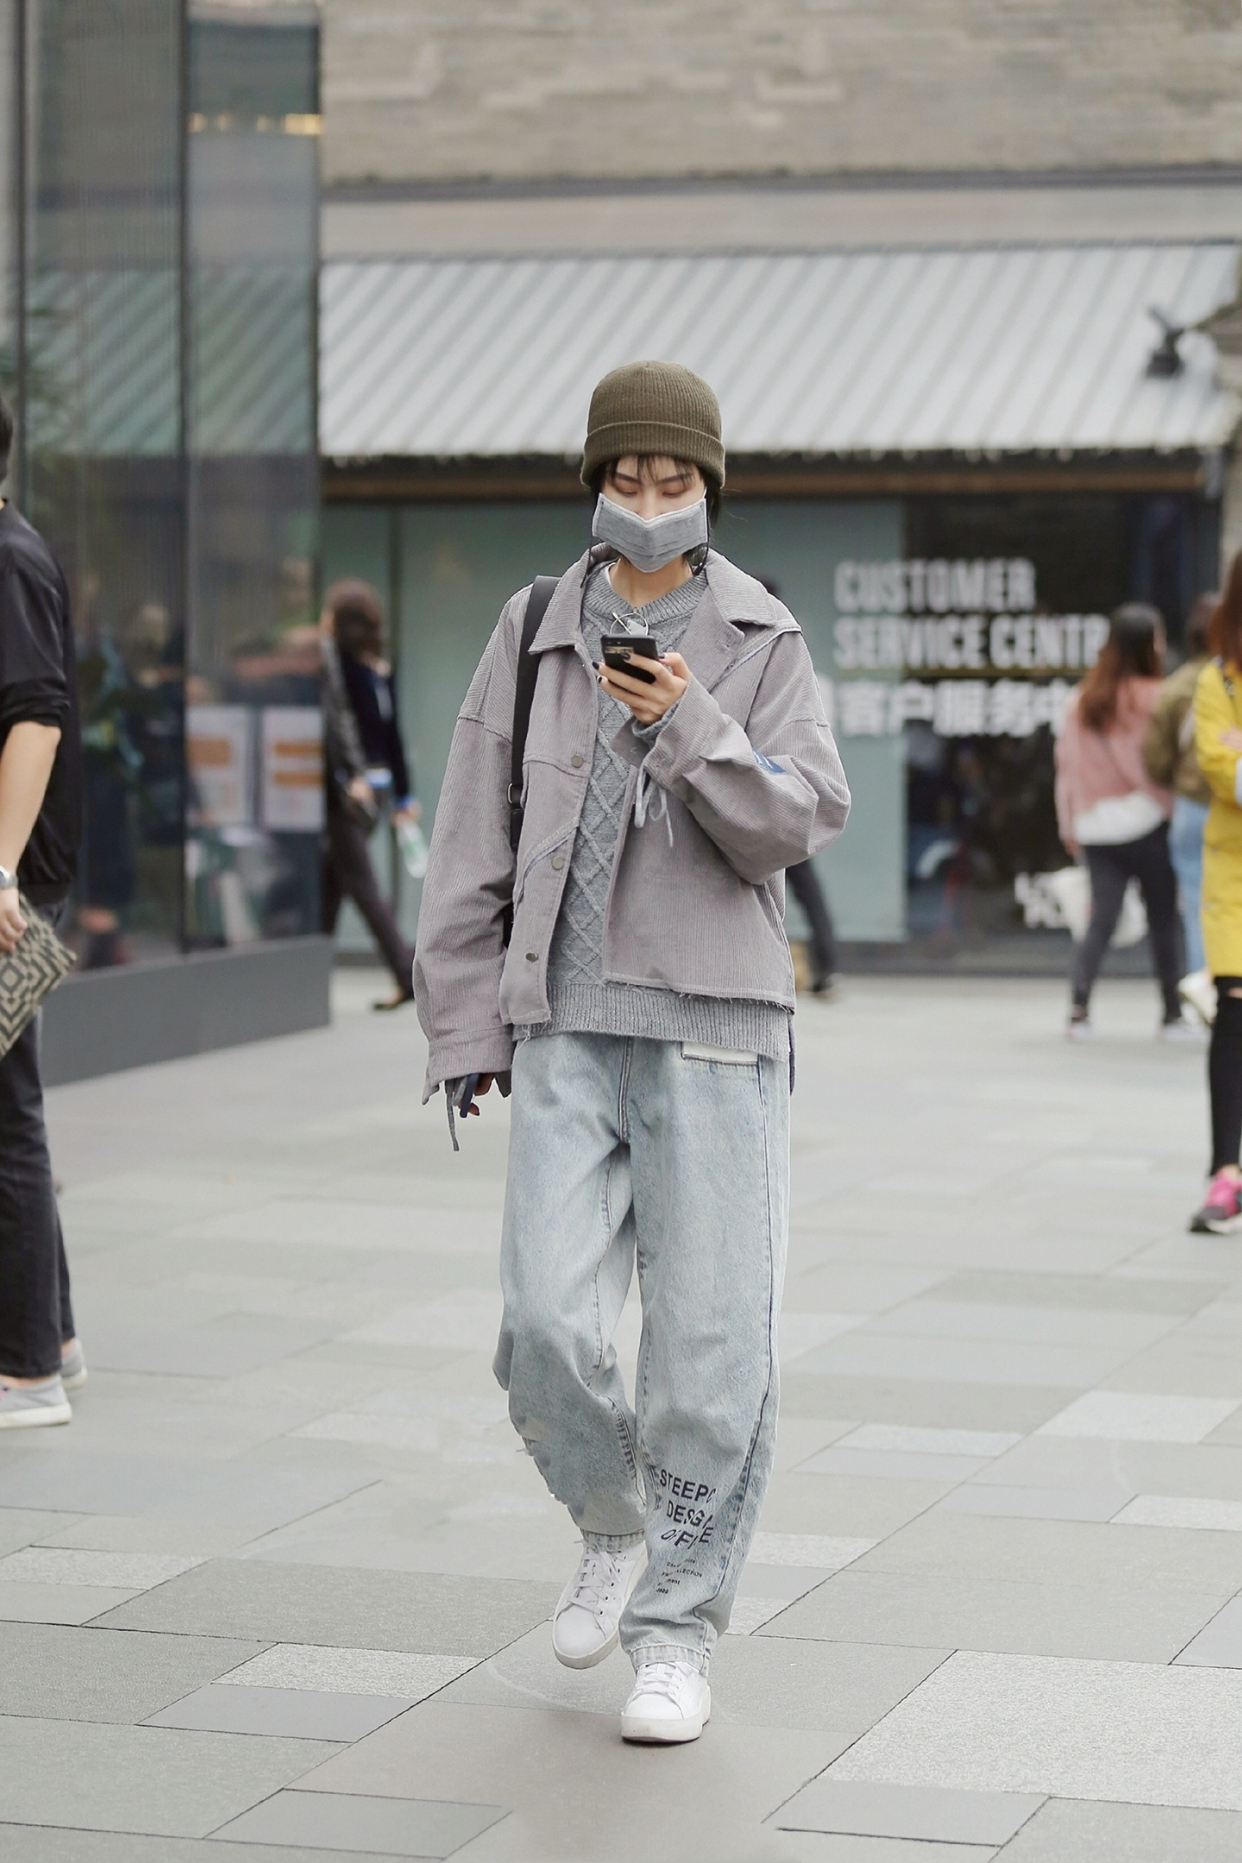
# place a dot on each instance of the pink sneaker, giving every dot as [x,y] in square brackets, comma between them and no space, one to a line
[1222,1207]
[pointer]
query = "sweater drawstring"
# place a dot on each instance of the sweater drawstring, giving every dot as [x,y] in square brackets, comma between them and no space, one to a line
[644,807]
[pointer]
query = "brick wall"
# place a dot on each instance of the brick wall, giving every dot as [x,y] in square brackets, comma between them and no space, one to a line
[437,89]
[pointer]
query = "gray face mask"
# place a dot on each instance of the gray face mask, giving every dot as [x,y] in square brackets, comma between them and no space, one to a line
[650,543]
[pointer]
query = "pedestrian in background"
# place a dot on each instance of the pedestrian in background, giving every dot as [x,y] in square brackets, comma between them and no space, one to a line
[1170,760]
[40,828]
[367,762]
[1218,745]
[643,1005]
[1111,813]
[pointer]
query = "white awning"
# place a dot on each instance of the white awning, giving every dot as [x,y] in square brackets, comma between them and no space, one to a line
[974,350]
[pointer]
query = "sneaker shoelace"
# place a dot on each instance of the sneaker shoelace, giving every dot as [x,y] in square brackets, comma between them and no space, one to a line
[663,1678]
[597,1580]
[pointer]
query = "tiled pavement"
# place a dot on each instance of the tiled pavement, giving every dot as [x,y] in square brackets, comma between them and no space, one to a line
[284,1583]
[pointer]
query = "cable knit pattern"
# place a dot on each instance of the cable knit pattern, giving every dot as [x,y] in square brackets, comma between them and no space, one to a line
[579,998]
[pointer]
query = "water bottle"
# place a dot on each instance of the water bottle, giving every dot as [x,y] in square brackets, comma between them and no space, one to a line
[414,851]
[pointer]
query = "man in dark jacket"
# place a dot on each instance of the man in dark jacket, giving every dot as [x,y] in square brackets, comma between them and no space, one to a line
[40,827]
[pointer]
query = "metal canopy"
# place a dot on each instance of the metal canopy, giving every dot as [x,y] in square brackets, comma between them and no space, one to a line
[1000,349]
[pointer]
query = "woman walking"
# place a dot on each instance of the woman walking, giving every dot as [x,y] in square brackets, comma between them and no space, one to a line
[1218,745]
[1110,811]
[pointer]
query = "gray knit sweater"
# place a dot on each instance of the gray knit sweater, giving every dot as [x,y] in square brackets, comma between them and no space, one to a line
[579,998]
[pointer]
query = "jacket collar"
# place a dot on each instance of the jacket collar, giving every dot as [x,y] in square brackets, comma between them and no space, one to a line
[732,603]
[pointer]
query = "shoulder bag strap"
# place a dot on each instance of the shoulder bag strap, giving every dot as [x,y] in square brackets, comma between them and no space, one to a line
[542,590]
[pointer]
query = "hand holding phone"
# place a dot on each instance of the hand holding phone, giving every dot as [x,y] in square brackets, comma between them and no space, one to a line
[619,651]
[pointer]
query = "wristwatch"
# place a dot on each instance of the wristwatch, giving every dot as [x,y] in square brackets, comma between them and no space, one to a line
[7,879]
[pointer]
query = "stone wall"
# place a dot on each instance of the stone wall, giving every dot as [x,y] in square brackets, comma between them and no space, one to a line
[420,90]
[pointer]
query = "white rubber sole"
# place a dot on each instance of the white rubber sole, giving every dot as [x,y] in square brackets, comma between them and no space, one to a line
[36,1417]
[76,1380]
[605,1650]
[666,1733]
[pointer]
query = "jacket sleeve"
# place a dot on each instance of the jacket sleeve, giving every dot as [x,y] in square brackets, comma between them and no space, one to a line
[469,883]
[1161,749]
[1215,714]
[770,795]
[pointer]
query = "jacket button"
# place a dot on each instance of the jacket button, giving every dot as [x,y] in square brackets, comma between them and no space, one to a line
[532,957]
[577,761]
[558,861]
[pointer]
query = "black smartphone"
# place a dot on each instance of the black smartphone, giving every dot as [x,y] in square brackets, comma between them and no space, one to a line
[465,1099]
[618,650]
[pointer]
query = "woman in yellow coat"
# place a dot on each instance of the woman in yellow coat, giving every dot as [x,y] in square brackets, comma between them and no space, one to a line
[1218,746]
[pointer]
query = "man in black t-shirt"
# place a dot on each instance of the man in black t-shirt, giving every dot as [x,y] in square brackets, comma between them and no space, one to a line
[40,826]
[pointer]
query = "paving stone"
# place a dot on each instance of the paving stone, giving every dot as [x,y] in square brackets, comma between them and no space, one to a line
[43,1845]
[806,1549]
[812,1847]
[262,1495]
[294,1713]
[1110,1622]
[930,1812]
[922,1402]
[711,1794]
[1172,1510]
[1120,1416]
[1104,1833]
[369,1672]
[20,1526]
[418,1828]
[71,1674]
[886,1465]
[1035,1503]
[123,1571]
[147,1779]
[432,1614]
[893,1436]
[1132,1732]
[59,1604]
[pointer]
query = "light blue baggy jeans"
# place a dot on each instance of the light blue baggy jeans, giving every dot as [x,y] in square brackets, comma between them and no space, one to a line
[624,1149]
[1186,853]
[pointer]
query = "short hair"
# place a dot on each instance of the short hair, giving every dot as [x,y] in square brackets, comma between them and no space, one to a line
[7,424]
[646,466]
[357,616]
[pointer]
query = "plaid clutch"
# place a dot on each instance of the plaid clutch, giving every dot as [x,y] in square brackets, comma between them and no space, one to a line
[29,973]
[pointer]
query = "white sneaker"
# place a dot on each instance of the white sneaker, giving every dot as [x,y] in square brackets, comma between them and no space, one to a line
[1199,990]
[671,1703]
[73,1369]
[31,1406]
[584,1628]
[1185,1028]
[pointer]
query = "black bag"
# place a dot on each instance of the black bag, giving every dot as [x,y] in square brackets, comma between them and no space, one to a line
[542,590]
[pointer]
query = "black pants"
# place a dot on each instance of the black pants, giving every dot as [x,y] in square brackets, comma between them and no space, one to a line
[1225,1074]
[1147,861]
[810,896]
[35,1311]
[348,874]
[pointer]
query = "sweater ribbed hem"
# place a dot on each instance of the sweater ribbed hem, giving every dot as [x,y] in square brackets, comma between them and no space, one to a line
[580,1008]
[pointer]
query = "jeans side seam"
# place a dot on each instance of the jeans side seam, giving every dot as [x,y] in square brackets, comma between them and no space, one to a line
[744,1476]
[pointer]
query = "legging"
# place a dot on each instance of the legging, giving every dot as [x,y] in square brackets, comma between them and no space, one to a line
[1225,1074]
[1147,861]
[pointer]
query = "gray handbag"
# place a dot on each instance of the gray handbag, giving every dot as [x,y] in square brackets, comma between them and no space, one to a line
[29,973]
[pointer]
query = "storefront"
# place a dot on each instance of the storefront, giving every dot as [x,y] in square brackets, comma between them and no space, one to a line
[158,252]
[952,463]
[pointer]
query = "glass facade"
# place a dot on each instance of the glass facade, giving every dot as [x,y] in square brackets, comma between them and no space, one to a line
[161,203]
[947,630]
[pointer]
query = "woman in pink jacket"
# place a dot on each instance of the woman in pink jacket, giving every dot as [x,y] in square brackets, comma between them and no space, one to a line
[1110,811]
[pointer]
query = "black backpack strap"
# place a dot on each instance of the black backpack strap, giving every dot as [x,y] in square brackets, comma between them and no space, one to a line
[542,591]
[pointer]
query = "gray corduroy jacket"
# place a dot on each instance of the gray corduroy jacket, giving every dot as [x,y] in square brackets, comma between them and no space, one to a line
[753,784]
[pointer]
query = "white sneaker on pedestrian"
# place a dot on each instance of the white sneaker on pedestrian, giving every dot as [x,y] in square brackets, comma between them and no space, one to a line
[584,1627]
[73,1368]
[1199,990]
[31,1406]
[1184,1028]
[671,1703]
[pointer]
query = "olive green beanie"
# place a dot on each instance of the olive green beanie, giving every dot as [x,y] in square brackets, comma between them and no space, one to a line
[656,408]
